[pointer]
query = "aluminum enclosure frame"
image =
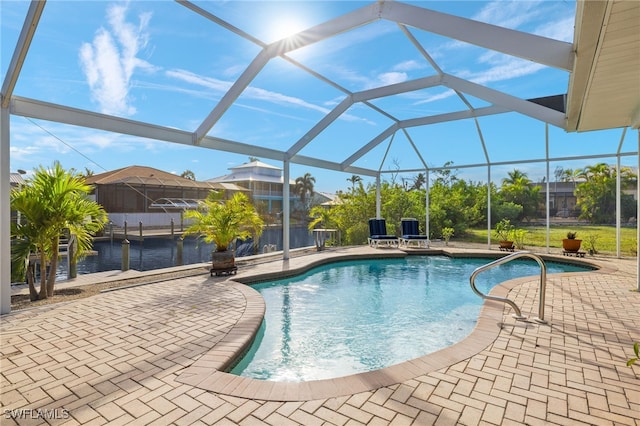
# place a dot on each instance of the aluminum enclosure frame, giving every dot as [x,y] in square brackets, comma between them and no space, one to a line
[551,53]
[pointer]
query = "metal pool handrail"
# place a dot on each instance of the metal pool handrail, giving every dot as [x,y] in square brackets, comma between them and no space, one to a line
[543,283]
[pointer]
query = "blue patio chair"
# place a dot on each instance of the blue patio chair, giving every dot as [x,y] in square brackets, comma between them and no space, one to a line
[378,234]
[411,234]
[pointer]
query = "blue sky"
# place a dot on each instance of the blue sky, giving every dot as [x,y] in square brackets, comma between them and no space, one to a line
[158,62]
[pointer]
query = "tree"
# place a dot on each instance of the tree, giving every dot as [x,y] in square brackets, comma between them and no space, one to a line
[351,213]
[558,173]
[518,189]
[320,215]
[53,203]
[87,172]
[354,179]
[454,203]
[571,175]
[458,205]
[446,175]
[304,188]
[596,195]
[188,174]
[398,203]
[418,181]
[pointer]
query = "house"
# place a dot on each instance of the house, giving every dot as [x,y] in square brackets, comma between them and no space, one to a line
[563,202]
[562,199]
[265,183]
[16,181]
[144,194]
[324,199]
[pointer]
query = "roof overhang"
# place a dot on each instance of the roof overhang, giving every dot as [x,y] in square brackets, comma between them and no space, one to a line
[604,88]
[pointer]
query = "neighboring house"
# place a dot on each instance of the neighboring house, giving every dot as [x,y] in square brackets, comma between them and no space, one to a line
[148,195]
[16,181]
[265,183]
[323,198]
[562,201]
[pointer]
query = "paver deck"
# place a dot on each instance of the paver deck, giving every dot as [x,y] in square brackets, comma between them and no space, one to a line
[151,354]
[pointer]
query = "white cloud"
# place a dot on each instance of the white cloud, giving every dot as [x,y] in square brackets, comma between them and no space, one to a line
[444,95]
[388,78]
[37,143]
[558,30]
[409,65]
[506,70]
[349,75]
[111,59]
[493,66]
[369,82]
[22,153]
[214,84]
[508,14]
[256,93]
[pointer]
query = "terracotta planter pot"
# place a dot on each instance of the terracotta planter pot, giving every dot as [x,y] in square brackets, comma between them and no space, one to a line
[506,244]
[571,245]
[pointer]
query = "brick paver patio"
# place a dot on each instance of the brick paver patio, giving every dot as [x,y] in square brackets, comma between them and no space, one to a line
[148,355]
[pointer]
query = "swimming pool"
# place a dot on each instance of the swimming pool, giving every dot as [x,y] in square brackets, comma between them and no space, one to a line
[356,316]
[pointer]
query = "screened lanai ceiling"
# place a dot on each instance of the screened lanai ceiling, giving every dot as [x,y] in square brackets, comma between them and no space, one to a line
[356,87]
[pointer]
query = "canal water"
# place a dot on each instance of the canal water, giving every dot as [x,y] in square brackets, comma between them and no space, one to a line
[157,252]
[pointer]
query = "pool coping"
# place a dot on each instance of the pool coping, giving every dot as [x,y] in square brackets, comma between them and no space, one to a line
[209,371]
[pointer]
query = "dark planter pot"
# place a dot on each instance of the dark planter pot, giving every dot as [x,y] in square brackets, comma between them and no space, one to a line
[571,245]
[223,260]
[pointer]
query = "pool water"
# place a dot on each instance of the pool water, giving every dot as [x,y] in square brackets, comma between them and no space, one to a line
[357,316]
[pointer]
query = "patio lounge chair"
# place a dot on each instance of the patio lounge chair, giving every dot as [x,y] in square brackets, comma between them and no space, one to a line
[411,234]
[378,234]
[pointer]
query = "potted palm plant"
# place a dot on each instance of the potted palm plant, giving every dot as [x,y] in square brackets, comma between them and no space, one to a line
[504,232]
[571,244]
[221,222]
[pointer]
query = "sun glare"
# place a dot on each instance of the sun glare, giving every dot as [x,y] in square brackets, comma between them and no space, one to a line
[285,26]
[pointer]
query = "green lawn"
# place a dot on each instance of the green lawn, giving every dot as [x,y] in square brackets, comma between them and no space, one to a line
[605,237]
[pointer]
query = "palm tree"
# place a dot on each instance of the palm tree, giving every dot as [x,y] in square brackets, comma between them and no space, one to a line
[320,215]
[188,174]
[571,175]
[26,243]
[304,187]
[418,181]
[517,188]
[354,179]
[516,177]
[53,203]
